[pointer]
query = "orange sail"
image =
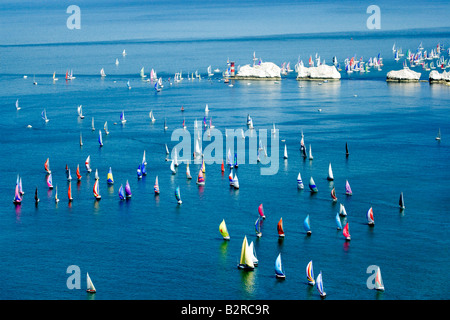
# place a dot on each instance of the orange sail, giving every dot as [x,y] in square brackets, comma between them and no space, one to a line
[78,173]
[69,192]
[280,228]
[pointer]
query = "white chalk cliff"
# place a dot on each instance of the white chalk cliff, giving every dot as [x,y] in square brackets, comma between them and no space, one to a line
[435,76]
[405,74]
[263,70]
[321,72]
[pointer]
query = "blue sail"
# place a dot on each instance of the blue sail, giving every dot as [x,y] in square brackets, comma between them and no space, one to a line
[143,169]
[235,160]
[100,140]
[121,193]
[306,224]
[139,171]
[338,222]
[278,266]
[177,194]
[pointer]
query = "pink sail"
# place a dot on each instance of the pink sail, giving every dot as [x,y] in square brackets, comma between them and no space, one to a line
[348,190]
[345,232]
[261,211]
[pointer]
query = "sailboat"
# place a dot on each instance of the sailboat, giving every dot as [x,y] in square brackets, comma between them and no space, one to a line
[121,193]
[17,197]
[245,261]
[310,273]
[251,249]
[342,211]
[302,146]
[117,62]
[156,186]
[279,272]
[102,73]
[81,140]
[80,111]
[165,124]
[139,171]
[330,176]
[47,166]
[319,282]
[36,198]
[172,167]
[346,150]
[178,195]
[378,281]
[109,178]
[78,173]
[261,211]
[280,228]
[96,175]
[49,181]
[206,109]
[338,222]
[230,177]
[96,190]
[348,190]
[369,216]
[100,139]
[17,104]
[127,190]
[285,152]
[69,192]
[235,160]
[235,181]
[222,168]
[90,285]
[306,225]
[258,227]
[34,80]
[333,195]
[224,231]
[142,73]
[188,172]
[54,76]
[105,128]
[92,124]
[44,116]
[122,117]
[200,178]
[310,156]
[152,117]
[299,181]
[69,176]
[438,137]
[312,185]
[87,163]
[230,162]
[346,233]
[401,202]
[56,194]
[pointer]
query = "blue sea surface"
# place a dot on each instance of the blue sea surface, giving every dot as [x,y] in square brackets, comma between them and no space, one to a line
[151,248]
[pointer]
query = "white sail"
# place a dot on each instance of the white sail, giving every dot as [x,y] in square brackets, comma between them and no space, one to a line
[310,153]
[90,285]
[342,211]
[379,281]
[330,173]
[285,152]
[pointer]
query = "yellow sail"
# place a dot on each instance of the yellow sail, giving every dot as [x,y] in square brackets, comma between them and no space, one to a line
[223,230]
[246,260]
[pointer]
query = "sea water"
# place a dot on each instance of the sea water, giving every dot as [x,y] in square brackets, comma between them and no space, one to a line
[151,248]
